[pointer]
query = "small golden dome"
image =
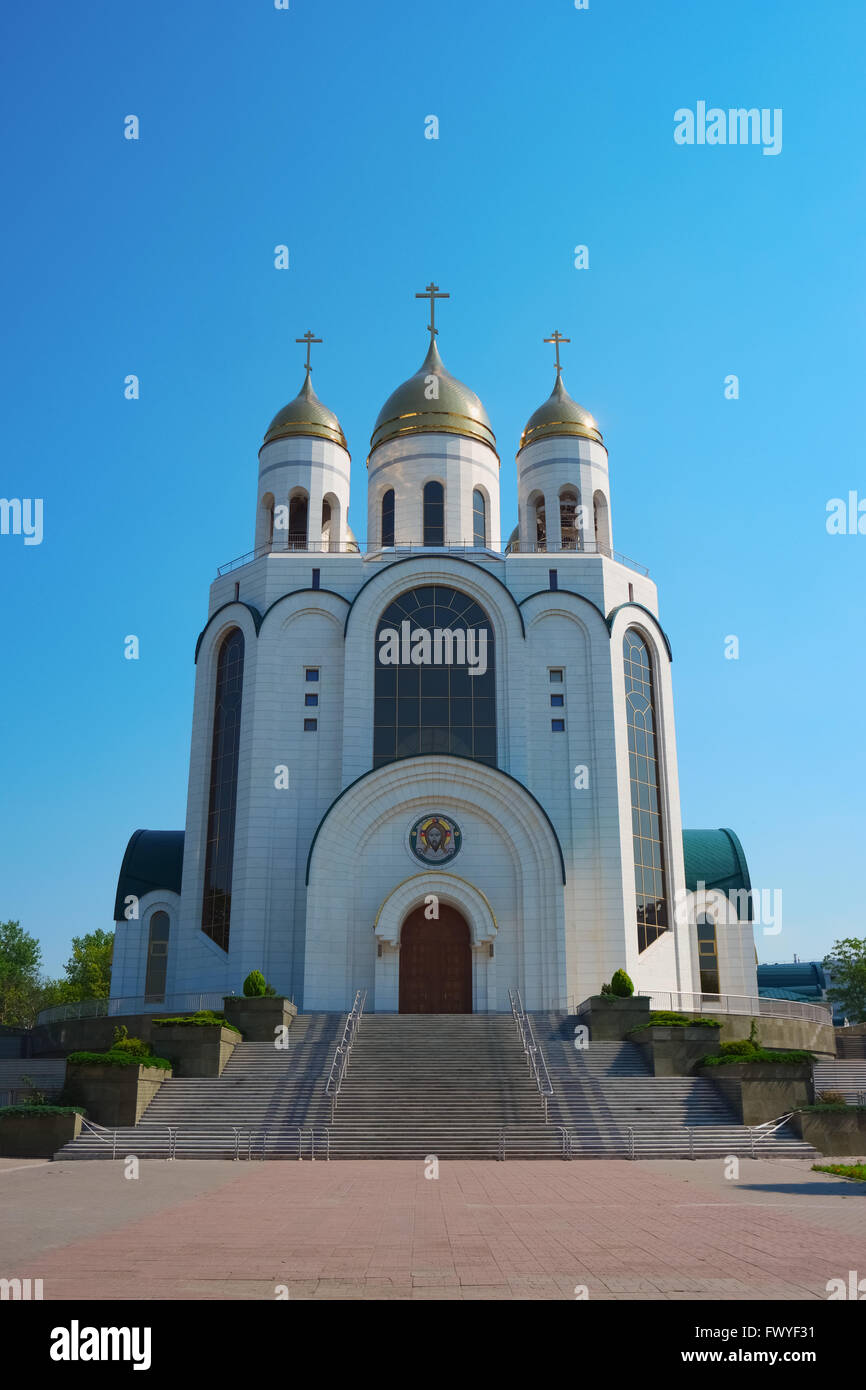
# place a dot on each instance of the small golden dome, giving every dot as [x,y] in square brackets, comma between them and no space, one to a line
[560,415]
[308,417]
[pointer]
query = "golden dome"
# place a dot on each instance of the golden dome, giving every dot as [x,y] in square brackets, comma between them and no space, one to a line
[560,415]
[454,410]
[308,417]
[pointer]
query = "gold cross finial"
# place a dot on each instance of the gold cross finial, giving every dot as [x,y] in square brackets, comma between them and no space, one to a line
[557,338]
[432,293]
[309,340]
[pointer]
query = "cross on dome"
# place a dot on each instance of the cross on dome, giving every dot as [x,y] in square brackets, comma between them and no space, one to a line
[309,340]
[432,292]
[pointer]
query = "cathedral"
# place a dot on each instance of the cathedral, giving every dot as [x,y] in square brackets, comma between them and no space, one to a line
[434,765]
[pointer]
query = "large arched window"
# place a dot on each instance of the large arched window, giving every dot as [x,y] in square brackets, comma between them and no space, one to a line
[388,517]
[569,503]
[298,509]
[601,524]
[434,514]
[427,644]
[479,518]
[649,861]
[222,805]
[157,958]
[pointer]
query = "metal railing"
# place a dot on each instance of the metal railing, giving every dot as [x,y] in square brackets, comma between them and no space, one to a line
[735,1004]
[100,1133]
[192,1002]
[675,1142]
[334,1084]
[295,545]
[531,1049]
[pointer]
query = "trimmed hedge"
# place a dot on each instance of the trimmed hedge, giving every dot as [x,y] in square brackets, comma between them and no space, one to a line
[42,1110]
[117,1059]
[205,1018]
[663,1019]
[842,1170]
[823,1108]
[758,1054]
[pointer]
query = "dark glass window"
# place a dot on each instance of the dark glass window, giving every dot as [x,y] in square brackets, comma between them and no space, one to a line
[434,514]
[310,726]
[222,805]
[708,956]
[557,700]
[312,673]
[479,518]
[434,706]
[558,726]
[570,534]
[388,517]
[649,862]
[157,958]
[555,676]
[311,699]
[298,523]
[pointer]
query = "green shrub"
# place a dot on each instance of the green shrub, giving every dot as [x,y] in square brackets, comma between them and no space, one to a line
[116,1059]
[830,1098]
[621,985]
[835,1108]
[739,1047]
[842,1170]
[756,1055]
[205,1018]
[663,1018]
[42,1110]
[136,1047]
[255,985]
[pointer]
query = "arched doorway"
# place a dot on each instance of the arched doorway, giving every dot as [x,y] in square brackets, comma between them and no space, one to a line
[435,963]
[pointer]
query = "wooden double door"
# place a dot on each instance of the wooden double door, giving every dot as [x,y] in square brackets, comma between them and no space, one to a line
[435,963]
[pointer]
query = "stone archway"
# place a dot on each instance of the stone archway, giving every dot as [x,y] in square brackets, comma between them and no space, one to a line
[435,963]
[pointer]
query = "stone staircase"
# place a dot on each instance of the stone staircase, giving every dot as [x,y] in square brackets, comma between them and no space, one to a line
[610,1104]
[449,1085]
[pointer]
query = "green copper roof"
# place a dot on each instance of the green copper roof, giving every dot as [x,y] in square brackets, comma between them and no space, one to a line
[560,415]
[153,859]
[307,417]
[715,858]
[413,409]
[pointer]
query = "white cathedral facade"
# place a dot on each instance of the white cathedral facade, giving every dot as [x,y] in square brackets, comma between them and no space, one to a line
[436,766]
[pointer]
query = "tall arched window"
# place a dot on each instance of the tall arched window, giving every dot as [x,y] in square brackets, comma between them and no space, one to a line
[569,500]
[157,958]
[600,523]
[222,805]
[388,517]
[298,507]
[435,680]
[434,514]
[647,837]
[539,540]
[479,518]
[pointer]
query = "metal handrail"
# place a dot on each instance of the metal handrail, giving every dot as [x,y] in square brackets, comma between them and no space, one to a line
[758,1006]
[531,1049]
[294,544]
[334,1084]
[100,1131]
[194,1000]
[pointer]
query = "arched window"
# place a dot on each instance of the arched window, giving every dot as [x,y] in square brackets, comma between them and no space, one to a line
[539,539]
[268,508]
[298,522]
[708,955]
[648,840]
[569,501]
[435,686]
[157,958]
[388,517]
[600,523]
[222,805]
[434,514]
[479,518]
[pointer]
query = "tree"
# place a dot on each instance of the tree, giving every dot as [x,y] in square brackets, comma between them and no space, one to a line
[88,970]
[846,965]
[20,962]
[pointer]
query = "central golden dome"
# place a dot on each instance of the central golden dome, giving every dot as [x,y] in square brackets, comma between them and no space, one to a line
[413,409]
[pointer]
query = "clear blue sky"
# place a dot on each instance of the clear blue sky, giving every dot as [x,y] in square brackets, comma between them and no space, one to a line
[306,127]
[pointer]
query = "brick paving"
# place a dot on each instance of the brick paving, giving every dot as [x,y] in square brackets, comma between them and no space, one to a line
[381,1230]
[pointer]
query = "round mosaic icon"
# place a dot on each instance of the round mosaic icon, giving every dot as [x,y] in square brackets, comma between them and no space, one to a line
[435,839]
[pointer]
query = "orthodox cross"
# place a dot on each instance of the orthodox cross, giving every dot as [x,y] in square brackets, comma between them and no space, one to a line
[432,293]
[557,339]
[309,340]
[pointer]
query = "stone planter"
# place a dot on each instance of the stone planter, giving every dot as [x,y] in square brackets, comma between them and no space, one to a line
[610,1018]
[759,1091]
[113,1096]
[193,1050]
[676,1051]
[833,1132]
[36,1136]
[259,1018]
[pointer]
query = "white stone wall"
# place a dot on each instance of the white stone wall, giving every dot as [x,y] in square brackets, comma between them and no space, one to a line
[318,467]
[405,465]
[552,464]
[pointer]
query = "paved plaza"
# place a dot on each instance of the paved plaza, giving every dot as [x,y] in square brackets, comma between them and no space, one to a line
[382,1230]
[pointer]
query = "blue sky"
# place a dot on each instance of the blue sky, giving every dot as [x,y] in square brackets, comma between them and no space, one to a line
[306,127]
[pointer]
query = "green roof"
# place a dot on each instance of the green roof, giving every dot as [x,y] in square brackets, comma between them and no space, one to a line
[153,860]
[716,859]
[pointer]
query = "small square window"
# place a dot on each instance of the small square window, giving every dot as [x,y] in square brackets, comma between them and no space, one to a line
[558,726]
[312,673]
[555,700]
[310,726]
[311,699]
[555,676]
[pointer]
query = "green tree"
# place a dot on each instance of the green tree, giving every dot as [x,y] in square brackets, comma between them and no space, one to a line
[88,970]
[20,962]
[846,964]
